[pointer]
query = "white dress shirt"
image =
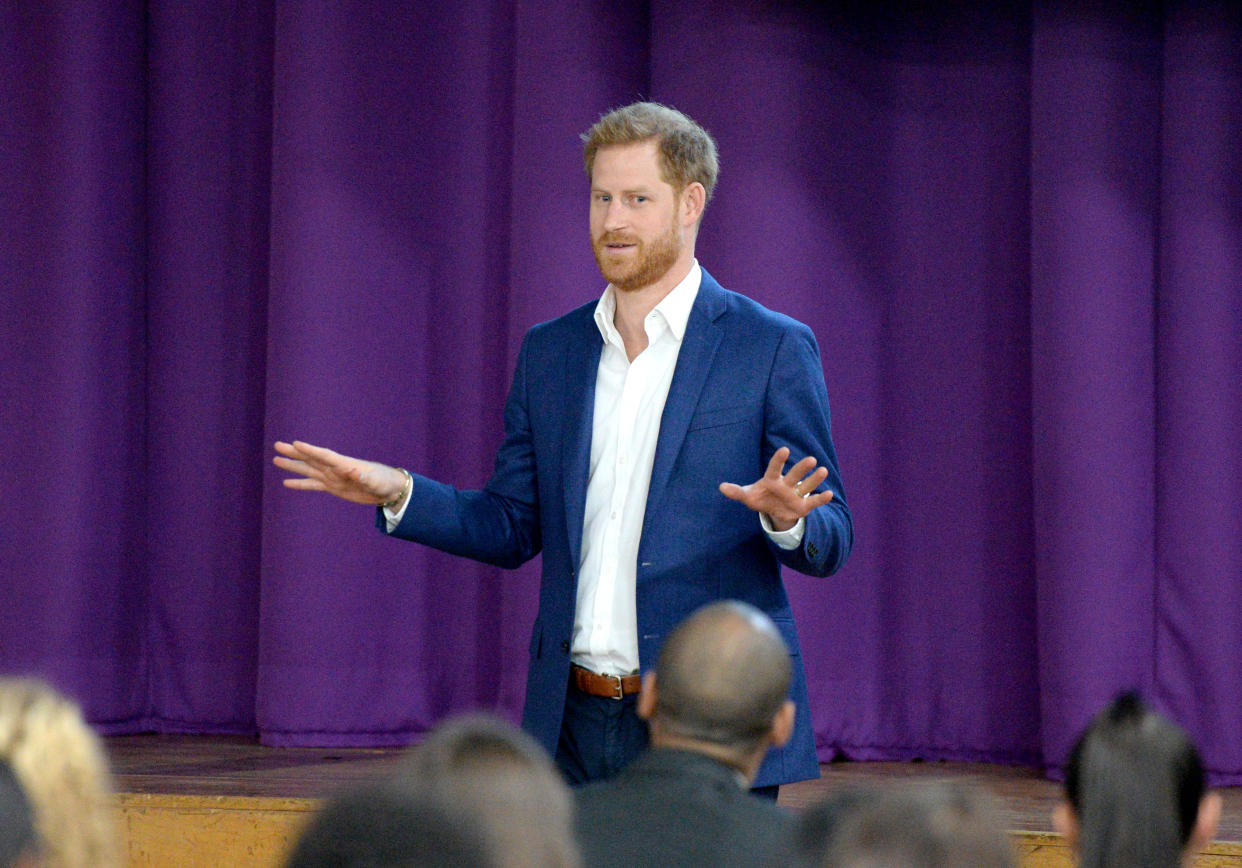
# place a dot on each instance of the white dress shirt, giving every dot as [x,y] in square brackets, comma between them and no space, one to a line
[629,404]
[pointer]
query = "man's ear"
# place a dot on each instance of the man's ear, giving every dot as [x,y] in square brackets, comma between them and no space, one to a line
[645,707]
[1065,823]
[1206,823]
[783,724]
[693,201]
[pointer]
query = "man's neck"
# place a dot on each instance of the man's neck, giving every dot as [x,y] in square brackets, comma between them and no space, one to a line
[634,305]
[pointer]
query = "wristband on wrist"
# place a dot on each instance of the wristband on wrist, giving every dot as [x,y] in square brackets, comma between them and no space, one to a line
[400,499]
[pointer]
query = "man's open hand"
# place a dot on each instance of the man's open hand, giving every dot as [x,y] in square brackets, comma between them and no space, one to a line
[351,479]
[782,497]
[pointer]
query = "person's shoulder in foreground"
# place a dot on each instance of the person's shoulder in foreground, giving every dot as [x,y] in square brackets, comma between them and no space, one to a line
[717,700]
[681,809]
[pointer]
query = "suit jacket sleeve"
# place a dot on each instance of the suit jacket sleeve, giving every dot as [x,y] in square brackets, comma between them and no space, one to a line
[499,524]
[797,416]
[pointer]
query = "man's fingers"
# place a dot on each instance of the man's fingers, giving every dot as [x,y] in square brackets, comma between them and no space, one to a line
[311,471]
[322,466]
[783,496]
[318,456]
[293,465]
[777,464]
[803,467]
[289,451]
[303,452]
[804,476]
[798,473]
[816,500]
[303,483]
[810,481]
[314,451]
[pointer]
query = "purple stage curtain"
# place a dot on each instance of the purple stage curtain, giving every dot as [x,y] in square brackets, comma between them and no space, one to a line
[1017,235]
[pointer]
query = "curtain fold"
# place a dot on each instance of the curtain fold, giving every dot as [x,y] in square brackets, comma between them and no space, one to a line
[208,175]
[1095,180]
[72,351]
[1016,233]
[1198,351]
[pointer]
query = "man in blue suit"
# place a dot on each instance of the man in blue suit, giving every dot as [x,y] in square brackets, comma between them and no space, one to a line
[631,424]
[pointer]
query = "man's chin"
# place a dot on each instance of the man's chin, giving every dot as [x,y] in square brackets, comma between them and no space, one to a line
[622,279]
[630,285]
[632,279]
[634,273]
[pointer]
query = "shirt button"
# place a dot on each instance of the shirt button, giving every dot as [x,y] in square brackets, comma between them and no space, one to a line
[614,516]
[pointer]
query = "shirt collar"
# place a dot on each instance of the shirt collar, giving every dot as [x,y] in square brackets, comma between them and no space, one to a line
[674,307]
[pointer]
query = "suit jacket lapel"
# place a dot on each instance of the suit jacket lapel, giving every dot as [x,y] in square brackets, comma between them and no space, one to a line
[694,361]
[581,367]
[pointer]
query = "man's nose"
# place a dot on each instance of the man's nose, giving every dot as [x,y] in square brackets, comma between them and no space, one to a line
[615,216]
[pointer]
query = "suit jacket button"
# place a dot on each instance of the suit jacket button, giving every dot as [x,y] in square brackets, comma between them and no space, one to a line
[564,646]
[812,550]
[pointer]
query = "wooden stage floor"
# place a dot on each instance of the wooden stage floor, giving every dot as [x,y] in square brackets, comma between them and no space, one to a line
[155,773]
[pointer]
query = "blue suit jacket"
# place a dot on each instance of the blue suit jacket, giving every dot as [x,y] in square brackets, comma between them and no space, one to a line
[747,382]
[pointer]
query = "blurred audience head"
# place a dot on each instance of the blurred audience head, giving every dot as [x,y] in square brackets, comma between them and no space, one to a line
[505,783]
[60,764]
[721,686]
[939,824]
[382,826]
[1135,791]
[19,843]
[818,822]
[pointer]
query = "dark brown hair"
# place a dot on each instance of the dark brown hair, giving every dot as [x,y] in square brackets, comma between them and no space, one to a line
[1135,782]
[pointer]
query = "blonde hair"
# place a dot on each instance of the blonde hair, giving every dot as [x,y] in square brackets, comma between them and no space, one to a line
[687,151]
[60,763]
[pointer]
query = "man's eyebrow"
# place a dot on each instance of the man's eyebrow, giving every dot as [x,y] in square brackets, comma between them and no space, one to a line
[642,191]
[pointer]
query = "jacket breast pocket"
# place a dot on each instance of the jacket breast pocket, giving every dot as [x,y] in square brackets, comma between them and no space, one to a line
[716,417]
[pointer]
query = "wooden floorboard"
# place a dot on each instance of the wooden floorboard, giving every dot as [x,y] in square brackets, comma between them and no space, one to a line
[163,779]
[228,766]
[1024,797]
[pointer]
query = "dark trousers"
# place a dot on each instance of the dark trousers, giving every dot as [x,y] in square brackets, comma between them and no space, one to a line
[599,737]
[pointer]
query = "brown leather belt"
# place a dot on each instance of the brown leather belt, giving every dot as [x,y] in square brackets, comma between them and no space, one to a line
[610,686]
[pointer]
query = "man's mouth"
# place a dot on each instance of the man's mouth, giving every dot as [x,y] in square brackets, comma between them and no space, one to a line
[619,245]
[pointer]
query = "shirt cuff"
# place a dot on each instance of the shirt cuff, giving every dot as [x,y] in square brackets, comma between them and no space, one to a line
[393,517]
[786,539]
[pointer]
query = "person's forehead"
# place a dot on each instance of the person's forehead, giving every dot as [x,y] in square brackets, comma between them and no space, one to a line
[634,162]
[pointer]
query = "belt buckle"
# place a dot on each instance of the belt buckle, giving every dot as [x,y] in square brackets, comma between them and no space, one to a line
[619,688]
